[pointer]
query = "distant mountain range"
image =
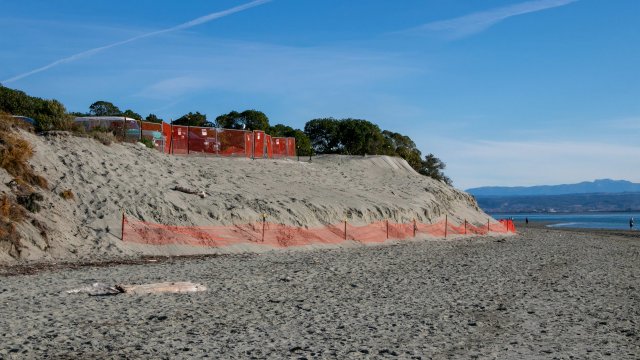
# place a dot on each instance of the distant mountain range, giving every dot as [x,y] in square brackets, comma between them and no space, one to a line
[586,187]
[598,195]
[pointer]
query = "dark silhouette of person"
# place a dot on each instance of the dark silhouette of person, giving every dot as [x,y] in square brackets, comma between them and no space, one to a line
[631,224]
[526,220]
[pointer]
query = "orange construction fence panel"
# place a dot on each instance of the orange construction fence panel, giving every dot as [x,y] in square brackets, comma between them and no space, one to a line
[166,132]
[279,147]
[203,140]
[291,147]
[258,144]
[232,142]
[179,139]
[269,145]
[248,144]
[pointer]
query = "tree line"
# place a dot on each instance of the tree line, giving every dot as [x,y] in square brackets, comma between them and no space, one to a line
[319,136]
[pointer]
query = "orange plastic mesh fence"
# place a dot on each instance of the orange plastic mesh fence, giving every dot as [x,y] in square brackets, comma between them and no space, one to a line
[278,235]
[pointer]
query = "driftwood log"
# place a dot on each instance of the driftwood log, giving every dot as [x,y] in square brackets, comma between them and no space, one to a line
[166,287]
[202,194]
[100,289]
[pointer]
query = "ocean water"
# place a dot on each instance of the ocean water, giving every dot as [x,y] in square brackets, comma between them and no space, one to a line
[592,220]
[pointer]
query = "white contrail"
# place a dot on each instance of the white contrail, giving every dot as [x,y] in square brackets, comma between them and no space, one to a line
[473,23]
[188,24]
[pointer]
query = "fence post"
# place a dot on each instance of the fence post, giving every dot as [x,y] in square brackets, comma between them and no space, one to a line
[387,229]
[345,229]
[415,227]
[188,133]
[264,220]
[488,228]
[465,226]
[122,234]
[446,225]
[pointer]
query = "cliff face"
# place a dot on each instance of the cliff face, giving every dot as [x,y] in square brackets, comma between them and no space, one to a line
[106,180]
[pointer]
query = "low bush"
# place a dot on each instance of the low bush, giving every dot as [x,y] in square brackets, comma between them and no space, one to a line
[148,143]
[67,194]
[31,201]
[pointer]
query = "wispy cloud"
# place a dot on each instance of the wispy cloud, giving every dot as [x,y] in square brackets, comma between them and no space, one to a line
[272,70]
[473,23]
[188,24]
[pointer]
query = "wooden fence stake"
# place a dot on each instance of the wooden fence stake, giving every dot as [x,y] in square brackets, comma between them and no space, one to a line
[415,227]
[387,228]
[345,229]
[446,225]
[122,234]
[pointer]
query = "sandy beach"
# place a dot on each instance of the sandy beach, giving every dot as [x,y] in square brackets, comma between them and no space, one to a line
[542,294]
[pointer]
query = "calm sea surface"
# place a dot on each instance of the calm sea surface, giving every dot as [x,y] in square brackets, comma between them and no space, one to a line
[594,220]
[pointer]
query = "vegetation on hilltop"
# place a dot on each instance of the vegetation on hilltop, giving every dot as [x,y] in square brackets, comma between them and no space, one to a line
[320,136]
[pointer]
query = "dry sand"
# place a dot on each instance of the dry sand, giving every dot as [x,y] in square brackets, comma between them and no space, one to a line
[544,294]
[109,179]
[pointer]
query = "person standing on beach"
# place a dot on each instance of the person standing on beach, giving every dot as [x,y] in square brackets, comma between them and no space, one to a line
[526,221]
[631,224]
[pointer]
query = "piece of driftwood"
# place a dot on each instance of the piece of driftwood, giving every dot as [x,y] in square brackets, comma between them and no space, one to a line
[96,289]
[100,289]
[166,287]
[202,194]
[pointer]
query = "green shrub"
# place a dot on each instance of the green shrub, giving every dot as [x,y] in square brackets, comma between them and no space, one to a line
[148,143]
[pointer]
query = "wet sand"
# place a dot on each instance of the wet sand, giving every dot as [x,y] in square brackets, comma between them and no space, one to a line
[545,293]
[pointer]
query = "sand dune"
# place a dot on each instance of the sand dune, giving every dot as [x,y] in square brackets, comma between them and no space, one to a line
[107,180]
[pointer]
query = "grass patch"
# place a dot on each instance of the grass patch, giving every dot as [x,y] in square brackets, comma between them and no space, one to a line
[106,138]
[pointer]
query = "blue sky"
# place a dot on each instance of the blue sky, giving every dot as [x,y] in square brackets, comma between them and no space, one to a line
[504,92]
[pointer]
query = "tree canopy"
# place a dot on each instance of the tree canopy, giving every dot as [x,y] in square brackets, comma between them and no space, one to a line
[153,118]
[193,119]
[246,120]
[104,108]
